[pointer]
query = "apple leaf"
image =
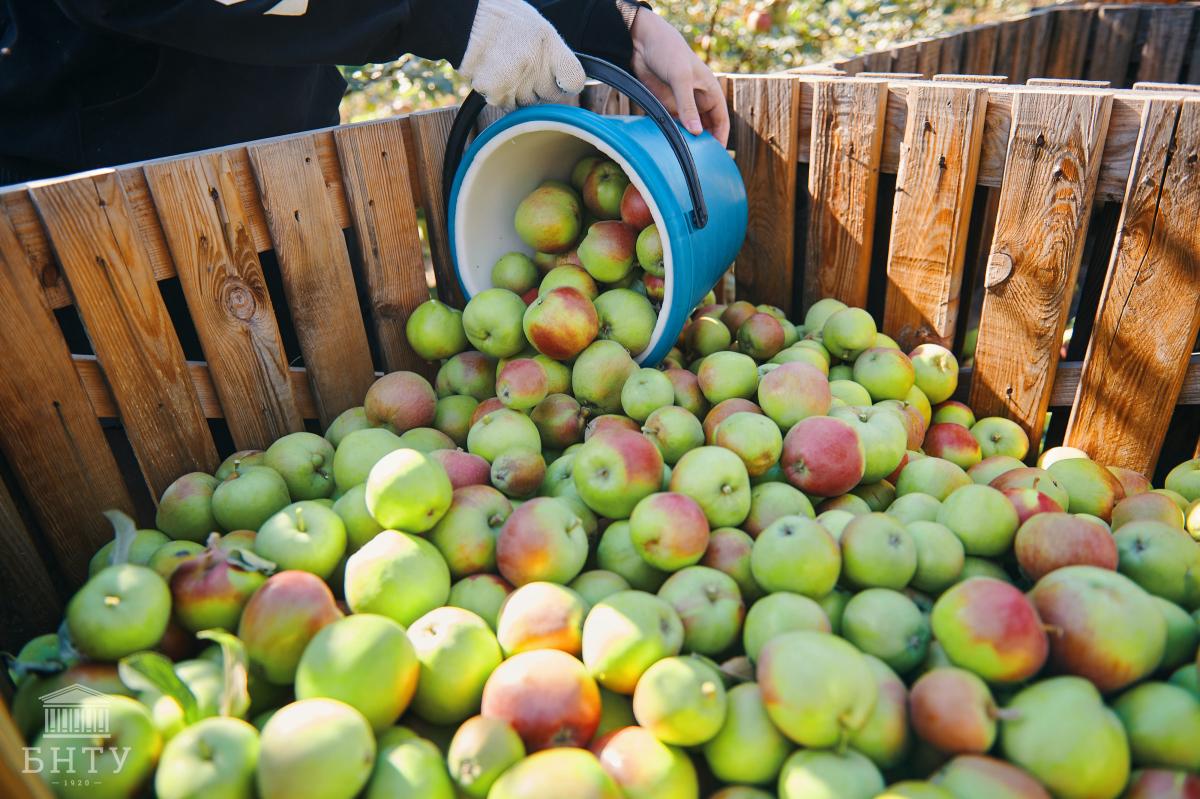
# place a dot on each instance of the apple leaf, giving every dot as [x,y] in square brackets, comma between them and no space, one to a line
[22,668]
[246,560]
[235,696]
[124,531]
[67,652]
[150,671]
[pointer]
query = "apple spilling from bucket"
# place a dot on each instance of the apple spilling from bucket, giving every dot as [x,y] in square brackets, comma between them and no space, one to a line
[787,562]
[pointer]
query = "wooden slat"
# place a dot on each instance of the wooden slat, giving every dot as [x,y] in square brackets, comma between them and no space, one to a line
[981,50]
[765,117]
[843,179]
[14,783]
[48,432]
[1069,43]
[1045,201]
[1166,44]
[1035,43]
[91,376]
[429,129]
[91,225]
[1173,88]
[389,243]
[1113,36]
[1070,83]
[317,276]
[29,603]
[1007,47]
[970,78]
[891,75]
[929,60]
[951,58]
[934,191]
[878,61]
[1066,382]
[905,58]
[208,233]
[1149,312]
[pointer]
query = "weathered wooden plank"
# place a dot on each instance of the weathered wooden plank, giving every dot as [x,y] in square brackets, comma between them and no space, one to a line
[951,58]
[1149,312]
[765,117]
[1035,43]
[1066,382]
[929,59]
[1045,201]
[389,242]
[1173,88]
[877,61]
[1069,43]
[905,58]
[1114,32]
[317,275]
[95,235]
[429,129]
[1069,83]
[1166,44]
[1007,46]
[843,179]
[971,78]
[14,782]
[935,187]
[981,50]
[91,376]
[29,603]
[48,432]
[209,237]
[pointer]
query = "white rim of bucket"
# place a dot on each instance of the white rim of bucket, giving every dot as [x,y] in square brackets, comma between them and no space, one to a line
[537,126]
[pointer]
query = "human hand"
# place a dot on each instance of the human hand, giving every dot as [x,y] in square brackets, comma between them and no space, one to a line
[516,57]
[686,86]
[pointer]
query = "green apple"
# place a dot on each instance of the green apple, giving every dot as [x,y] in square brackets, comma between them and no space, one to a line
[627,318]
[681,701]
[848,332]
[482,749]
[888,625]
[646,391]
[492,321]
[305,462]
[456,651]
[883,437]
[346,423]
[123,609]
[407,490]
[315,748]
[408,767]
[307,536]
[397,575]
[185,510]
[213,759]
[248,497]
[358,453]
[778,613]
[936,371]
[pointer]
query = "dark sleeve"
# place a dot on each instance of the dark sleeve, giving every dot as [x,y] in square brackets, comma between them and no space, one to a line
[289,32]
[594,27]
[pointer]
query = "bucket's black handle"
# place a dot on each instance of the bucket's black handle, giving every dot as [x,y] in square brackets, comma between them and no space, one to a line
[619,79]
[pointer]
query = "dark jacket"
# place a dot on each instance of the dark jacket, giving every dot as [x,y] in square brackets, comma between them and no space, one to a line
[90,83]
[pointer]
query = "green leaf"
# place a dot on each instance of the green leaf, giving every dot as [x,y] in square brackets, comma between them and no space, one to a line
[124,531]
[235,695]
[246,560]
[151,671]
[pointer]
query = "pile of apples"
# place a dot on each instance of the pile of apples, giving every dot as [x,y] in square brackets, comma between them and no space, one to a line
[784,563]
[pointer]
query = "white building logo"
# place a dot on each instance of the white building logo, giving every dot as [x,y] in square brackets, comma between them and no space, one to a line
[75,749]
[68,713]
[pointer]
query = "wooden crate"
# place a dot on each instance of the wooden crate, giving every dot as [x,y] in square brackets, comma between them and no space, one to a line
[298,260]
[1121,44]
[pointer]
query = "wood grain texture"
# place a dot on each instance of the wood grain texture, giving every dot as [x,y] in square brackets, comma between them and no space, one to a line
[935,187]
[13,783]
[91,225]
[1166,44]
[29,603]
[1068,43]
[317,275]
[1113,36]
[1007,47]
[393,268]
[1041,224]
[208,233]
[429,131]
[1149,312]
[91,376]
[843,180]
[1035,41]
[951,57]
[929,60]
[980,57]
[765,118]
[48,432]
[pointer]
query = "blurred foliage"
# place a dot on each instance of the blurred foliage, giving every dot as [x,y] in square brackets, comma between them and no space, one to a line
[731,36]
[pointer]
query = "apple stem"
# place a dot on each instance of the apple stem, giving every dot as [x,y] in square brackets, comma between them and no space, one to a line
[237,467]
[213,540]
[1003,714]
[124,532]
[1053,629]
[300,520]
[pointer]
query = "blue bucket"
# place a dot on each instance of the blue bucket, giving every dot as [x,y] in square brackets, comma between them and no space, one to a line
[692,186]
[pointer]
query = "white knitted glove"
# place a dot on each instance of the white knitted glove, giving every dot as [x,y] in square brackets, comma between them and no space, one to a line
[516,57]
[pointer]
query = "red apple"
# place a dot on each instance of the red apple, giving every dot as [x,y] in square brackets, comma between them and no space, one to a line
[823,456]
[634,210]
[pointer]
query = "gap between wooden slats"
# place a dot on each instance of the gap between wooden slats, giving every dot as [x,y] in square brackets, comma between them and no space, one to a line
[208,232]
[1041,224]
[843,179]
[429,132]
[375,173]
[1149,315]
[96,238]
[935,188]
[316,271]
